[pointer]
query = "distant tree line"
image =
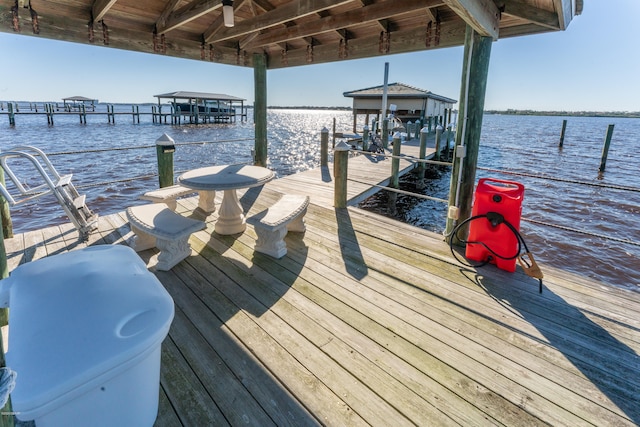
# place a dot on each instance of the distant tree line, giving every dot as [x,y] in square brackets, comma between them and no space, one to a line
[632,114]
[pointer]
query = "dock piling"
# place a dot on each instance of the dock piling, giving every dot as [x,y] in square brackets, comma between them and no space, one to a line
[340,162]
[564,128]
[12,116]
[365,138]
[395,161]
[324,147]
[605,148]
[165,147]
[385,133]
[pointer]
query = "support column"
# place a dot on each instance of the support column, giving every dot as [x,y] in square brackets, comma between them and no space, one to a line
[477,52]
[260,108]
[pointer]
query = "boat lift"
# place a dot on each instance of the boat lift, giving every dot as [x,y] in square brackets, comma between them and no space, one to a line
[61,187]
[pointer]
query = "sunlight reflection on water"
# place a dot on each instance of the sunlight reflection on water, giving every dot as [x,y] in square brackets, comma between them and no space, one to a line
[514,143]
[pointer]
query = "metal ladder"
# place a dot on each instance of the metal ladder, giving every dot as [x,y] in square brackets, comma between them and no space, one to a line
[61,187]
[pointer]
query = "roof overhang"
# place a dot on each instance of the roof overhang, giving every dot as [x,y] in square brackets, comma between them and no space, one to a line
[288,32]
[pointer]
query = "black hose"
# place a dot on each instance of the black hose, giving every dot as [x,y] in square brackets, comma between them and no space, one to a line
[495,219]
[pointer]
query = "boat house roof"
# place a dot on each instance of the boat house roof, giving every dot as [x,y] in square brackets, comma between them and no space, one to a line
[79,99]
[289,32]
[199,96]
[398,91]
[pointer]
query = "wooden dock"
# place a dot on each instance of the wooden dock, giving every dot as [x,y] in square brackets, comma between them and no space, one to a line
[369,321]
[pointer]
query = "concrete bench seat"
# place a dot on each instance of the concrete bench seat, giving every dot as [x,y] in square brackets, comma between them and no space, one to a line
[272,224]
[155,225]
[167,195]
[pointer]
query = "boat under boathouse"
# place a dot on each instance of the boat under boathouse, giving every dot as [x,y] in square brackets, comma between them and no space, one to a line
[411,103]
[77,103]
[201,107]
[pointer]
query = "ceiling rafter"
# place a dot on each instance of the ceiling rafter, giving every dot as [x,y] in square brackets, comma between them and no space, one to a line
[531,14]
[281,15]
[218,23]
[374,12]
[100,8]
[169,8]
[191,11]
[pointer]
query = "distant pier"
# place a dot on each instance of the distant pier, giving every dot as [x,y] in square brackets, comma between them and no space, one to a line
[161,114]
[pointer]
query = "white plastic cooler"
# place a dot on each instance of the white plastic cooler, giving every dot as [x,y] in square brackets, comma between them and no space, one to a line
[85,329]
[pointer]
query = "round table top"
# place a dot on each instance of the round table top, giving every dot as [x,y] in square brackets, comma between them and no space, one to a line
[226,177]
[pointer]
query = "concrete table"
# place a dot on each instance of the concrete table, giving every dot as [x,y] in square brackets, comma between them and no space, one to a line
[227,178]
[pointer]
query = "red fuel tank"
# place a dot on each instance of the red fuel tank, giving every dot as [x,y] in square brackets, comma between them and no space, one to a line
[505,198]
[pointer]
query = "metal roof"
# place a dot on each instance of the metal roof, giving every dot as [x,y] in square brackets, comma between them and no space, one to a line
[397,90]
[80,99]
[199,95]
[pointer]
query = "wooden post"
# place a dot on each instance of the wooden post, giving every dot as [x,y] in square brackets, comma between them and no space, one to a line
[333,134]
[365,138]
[395,162]
[564,127]
[165,147]
[423,150]
[438,139]
[260,108]
[477,51]
[12,116]
[7,225]
[6,413]
[324,147]
[446,147]
[605,149]
[385,133]
[340,162]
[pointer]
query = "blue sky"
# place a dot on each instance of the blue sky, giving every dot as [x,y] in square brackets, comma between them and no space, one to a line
[594,65]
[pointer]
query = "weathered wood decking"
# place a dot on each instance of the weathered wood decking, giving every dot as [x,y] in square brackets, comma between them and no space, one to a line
[368,321]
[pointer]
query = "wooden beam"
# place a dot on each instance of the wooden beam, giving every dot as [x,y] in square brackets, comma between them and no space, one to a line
[404,41]
[193,10]
[475,69]
[260,109]
[371,13]
[290,11]
[482,15]
[100,8]
[532,14]
[168,10]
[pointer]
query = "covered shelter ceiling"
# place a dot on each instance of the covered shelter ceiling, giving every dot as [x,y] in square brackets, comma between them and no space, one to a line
[288,32]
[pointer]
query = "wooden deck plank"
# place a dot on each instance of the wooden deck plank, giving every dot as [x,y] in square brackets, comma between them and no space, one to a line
[228,360]
[368,321]
[345,295]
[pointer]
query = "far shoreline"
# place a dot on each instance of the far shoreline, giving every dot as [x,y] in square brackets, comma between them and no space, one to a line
[507,112]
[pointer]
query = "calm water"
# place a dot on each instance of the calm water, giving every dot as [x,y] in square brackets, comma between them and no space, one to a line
[519,144]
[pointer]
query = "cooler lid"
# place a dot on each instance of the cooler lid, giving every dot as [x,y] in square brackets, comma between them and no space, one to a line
[78,315]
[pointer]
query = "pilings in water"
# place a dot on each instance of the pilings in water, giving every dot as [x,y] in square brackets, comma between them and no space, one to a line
[564,128]
[605,148]
[50,110]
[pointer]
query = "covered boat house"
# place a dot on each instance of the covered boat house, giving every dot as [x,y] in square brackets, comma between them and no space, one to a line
[411,104]
[76,103]
[201,107]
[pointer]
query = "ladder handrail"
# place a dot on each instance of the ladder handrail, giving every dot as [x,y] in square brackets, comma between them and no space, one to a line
[60,186]
[24,191]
